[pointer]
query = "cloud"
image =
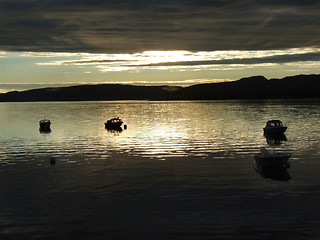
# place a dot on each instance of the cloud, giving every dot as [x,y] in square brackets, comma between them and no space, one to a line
[278,59]
[50,54]
[2,54]
[191,61]
[111,26]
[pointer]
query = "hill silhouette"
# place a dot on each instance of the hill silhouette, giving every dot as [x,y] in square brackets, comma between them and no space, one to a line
[256,87]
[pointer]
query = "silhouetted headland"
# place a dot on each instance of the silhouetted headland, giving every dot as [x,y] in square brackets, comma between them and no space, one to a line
[256,87]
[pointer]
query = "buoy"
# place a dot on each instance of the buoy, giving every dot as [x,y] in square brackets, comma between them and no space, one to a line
[125,126]
[52,160]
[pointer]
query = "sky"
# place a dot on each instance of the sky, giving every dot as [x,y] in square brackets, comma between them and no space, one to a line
[47,43]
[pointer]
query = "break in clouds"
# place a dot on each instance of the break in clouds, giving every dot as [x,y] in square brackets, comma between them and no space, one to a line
[182,60]
[107,26]
[97,36]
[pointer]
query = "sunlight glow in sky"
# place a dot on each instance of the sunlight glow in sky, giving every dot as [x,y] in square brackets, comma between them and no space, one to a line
[59,43]
[175,67]
[166,60]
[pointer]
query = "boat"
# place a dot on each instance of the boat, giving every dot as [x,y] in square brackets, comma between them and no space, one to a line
[45,125]
[113,123]
[275,139]
[272,159]
[274,127]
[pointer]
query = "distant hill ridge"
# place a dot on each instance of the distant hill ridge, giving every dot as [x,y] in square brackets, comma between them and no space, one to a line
[256,87]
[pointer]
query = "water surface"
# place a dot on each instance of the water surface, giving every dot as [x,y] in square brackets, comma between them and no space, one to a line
[182,170]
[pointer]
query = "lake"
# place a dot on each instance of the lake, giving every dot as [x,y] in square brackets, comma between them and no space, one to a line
[181,170]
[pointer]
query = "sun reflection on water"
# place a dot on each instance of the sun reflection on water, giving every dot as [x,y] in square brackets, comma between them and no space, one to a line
[159,130]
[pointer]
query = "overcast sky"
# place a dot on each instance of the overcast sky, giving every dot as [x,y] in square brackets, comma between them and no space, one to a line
[177,42]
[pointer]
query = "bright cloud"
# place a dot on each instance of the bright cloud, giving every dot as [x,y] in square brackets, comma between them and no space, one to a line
[182,60]
[2,54]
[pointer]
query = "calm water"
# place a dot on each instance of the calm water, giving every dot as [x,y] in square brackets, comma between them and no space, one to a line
[182,170]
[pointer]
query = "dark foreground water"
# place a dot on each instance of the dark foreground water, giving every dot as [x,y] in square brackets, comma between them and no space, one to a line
[182,170]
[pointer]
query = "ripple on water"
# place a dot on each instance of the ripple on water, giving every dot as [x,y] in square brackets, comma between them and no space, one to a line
[114,185]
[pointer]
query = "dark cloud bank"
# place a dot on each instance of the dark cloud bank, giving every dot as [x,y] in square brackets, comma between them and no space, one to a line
[133,26]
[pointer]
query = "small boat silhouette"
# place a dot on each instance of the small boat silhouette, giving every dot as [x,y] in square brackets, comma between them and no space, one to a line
[274,127]
[45,125]
[113,123]
[274,138]
[271,159]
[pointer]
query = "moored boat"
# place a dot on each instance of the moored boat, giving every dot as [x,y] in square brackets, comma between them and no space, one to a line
[271,159]
[45,125]
[274,127]
[113,123]
[275,138]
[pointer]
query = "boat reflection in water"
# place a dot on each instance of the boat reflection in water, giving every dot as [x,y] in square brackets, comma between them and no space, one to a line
[275,173]
[275,139]
[115,131]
